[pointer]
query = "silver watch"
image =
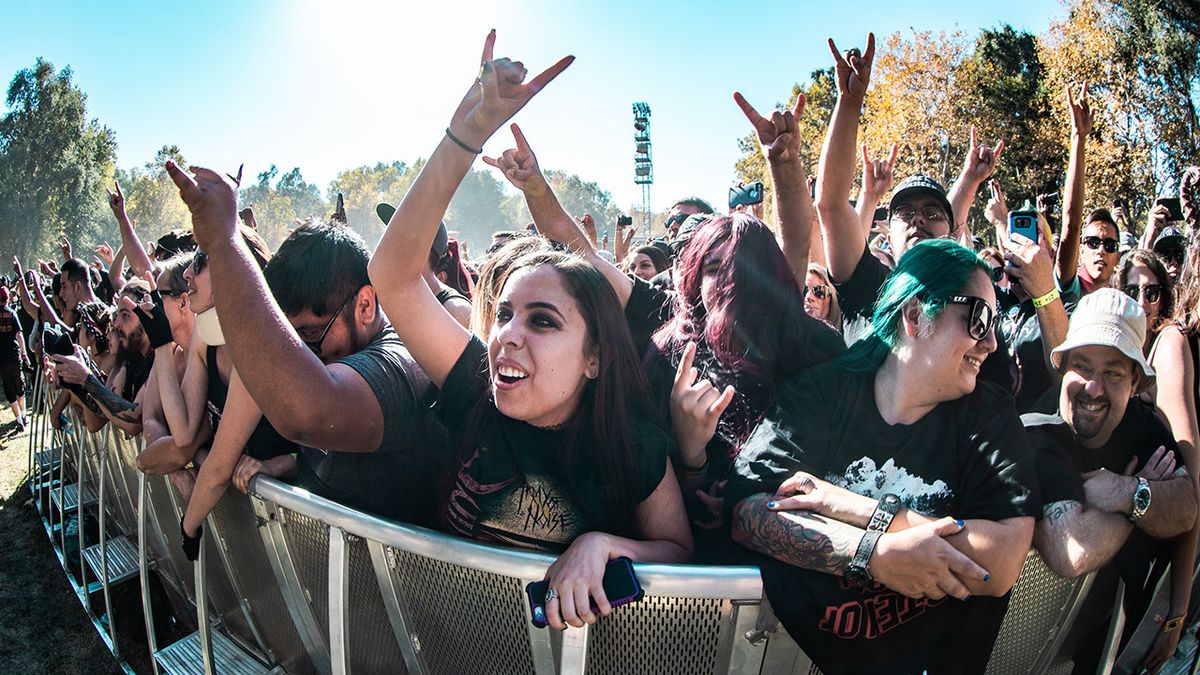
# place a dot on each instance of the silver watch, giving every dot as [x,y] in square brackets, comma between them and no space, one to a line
[1141,500]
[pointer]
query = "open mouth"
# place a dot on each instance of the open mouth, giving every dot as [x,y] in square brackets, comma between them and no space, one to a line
[973,362]
[509,376]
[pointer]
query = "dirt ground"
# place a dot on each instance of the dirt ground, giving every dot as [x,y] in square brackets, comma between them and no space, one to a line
[43,627]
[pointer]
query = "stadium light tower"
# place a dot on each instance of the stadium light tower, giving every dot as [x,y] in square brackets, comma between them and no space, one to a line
[643,163]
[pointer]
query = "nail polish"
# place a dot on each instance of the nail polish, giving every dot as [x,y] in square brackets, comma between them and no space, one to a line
[770,505]
[987,578]
[959,522]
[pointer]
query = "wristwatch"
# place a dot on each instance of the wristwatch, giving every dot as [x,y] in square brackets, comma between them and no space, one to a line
[1141,500]
[885,511]
[858,574]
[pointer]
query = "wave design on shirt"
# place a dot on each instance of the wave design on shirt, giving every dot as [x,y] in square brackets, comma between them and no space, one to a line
[863,476]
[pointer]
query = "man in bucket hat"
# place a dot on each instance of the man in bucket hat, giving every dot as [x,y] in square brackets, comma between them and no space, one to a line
[1113,489]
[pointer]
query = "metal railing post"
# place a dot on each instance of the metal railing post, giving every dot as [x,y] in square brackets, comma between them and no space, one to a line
[339,590]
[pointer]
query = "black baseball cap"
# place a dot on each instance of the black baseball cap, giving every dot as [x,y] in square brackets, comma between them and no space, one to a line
[441,242]
[1171,238]
[918,184]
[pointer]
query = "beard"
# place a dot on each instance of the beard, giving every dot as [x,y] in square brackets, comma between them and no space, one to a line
[134,344]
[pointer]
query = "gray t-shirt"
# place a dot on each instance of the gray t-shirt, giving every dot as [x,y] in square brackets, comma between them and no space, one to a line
[401,478]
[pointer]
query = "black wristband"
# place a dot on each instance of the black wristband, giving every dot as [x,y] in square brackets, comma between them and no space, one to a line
[461,144]
[191,545]
[158,329]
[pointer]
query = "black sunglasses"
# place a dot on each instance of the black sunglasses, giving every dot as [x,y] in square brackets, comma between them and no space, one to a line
[1172,255]
[199,262]
[1094,242]
[315,345]
[676,219]
[819,291]
[1151,293]
[981,315]
[997,274]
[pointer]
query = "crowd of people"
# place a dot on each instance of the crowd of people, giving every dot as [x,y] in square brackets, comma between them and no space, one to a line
[879,411]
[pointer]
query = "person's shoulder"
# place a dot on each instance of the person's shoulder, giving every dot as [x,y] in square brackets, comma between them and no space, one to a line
[385,355]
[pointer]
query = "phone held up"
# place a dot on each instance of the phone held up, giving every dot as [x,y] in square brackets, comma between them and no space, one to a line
[620,586]
[1024,223]
[624,221]
[745,195]
[1173,206]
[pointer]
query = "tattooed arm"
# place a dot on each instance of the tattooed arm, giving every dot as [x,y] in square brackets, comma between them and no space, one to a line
[1074,540]
[917,562]
[107,398]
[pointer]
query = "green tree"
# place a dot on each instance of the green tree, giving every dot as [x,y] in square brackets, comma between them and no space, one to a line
[476,211]
[279,207]
[54,163]
[152,199]
[577,197]
[364,187]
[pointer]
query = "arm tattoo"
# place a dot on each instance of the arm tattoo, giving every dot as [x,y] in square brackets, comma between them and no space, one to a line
[1057,511]
[798,538]
[105,396]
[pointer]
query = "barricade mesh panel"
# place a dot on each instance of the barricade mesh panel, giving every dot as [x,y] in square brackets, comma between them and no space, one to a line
[162,517]
[657,635]
[1037,610]
[308,542]
[464,620]
[372,643]
[254,575]
[125,450]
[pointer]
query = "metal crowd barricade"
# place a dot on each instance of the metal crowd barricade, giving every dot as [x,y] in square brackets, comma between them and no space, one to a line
[291,582]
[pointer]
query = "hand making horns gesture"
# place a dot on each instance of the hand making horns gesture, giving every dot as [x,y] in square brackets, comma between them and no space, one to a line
[853,68]
[779,135]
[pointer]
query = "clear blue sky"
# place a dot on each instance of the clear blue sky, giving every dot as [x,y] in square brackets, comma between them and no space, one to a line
[327,86]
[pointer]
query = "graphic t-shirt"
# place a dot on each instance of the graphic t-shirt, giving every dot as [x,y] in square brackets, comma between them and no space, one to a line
[967,458]
[10,328]
[402,477]
[517,484]
[1061,463]
[857,296]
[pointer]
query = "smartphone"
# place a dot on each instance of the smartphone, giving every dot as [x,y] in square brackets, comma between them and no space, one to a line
[1173,205]
[1024,223]
[745,195]
[624,221]
[881,213]
[620,585]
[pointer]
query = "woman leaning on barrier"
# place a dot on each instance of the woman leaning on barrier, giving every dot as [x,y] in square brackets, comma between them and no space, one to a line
[891,491]
[552,456]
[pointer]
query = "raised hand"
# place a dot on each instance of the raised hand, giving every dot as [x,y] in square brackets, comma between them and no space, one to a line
[779,135]
[1029,263]
[588,224]
[625,234]
[1081,111]
[877,173]
[996,210]
[116,201]
[105,252]
[212,199]
[853,68]
[65,246]
[498,93]
[981,160]
[247,217]
[519,165]
[696,408]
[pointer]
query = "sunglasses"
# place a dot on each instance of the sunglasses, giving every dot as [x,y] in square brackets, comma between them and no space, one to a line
[676,219]
[997,274]
[1093,242]
[981,315]
[199,262]
[1151,293]
[1172,255]
[315,345]
[931,214]
[820,291]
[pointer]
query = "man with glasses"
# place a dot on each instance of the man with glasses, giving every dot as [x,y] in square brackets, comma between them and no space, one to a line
[679,212]
[360,408]
[1112,485]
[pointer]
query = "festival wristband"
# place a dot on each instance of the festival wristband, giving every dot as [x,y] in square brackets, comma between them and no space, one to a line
[1046,299]
[694,470]
[461,144]
[1172,625]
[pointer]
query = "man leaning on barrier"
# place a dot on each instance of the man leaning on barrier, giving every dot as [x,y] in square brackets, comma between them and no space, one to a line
[314,350]
[1099,514]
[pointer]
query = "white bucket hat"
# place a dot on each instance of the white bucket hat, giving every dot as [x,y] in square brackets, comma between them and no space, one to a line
[1110,318]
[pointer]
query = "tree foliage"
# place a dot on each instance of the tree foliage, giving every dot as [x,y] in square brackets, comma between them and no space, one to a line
[151,199]
[278,207]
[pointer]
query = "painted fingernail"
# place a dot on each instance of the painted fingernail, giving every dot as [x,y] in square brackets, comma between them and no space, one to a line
[987,577]
[959,523]
[770,505]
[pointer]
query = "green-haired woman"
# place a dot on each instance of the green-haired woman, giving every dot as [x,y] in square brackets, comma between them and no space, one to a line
[894,494]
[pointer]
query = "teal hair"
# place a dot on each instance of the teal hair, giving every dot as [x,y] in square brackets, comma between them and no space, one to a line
[931,271]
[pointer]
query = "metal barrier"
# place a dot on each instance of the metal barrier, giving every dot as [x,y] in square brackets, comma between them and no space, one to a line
[291,582]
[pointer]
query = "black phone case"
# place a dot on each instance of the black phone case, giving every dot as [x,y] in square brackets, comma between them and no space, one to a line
[536,592]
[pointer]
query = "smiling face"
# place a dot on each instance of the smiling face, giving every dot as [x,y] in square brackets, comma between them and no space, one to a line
[1098,382]
[538,353]
[951,356]
[816,307]
[199,288]
[904,234]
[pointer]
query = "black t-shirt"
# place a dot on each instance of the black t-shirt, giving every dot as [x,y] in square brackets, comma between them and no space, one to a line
[967,458]
[649,307]
[858,294]
[1021,332]
[1061,461]
[516,485]
[401,478]
[10,328]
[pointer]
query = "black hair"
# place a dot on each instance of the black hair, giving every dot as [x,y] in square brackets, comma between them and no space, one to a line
[173,243]
[697,203]
[76,270]
[317,267]
[1103,216]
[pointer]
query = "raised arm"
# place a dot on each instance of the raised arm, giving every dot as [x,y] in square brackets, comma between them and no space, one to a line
[978,166]
[47,309]
[1073,192]
[876,182]
[116,270]
[996,212]
[433,337]
[27,302]
[1030,265]
[779,138]
[134,251]
[520,167]
[845,242]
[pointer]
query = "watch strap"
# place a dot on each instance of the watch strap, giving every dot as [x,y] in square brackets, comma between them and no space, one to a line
[1140,507]
[860,572]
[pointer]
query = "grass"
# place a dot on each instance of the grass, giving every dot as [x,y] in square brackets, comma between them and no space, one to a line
[43,627]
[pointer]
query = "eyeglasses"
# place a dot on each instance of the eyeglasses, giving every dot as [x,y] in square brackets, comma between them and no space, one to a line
[981,315]
[1151,293]
[820,291]
[997,274]
[931,214]
[199,262]
[676,219]
[1094,243]
[315,345]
